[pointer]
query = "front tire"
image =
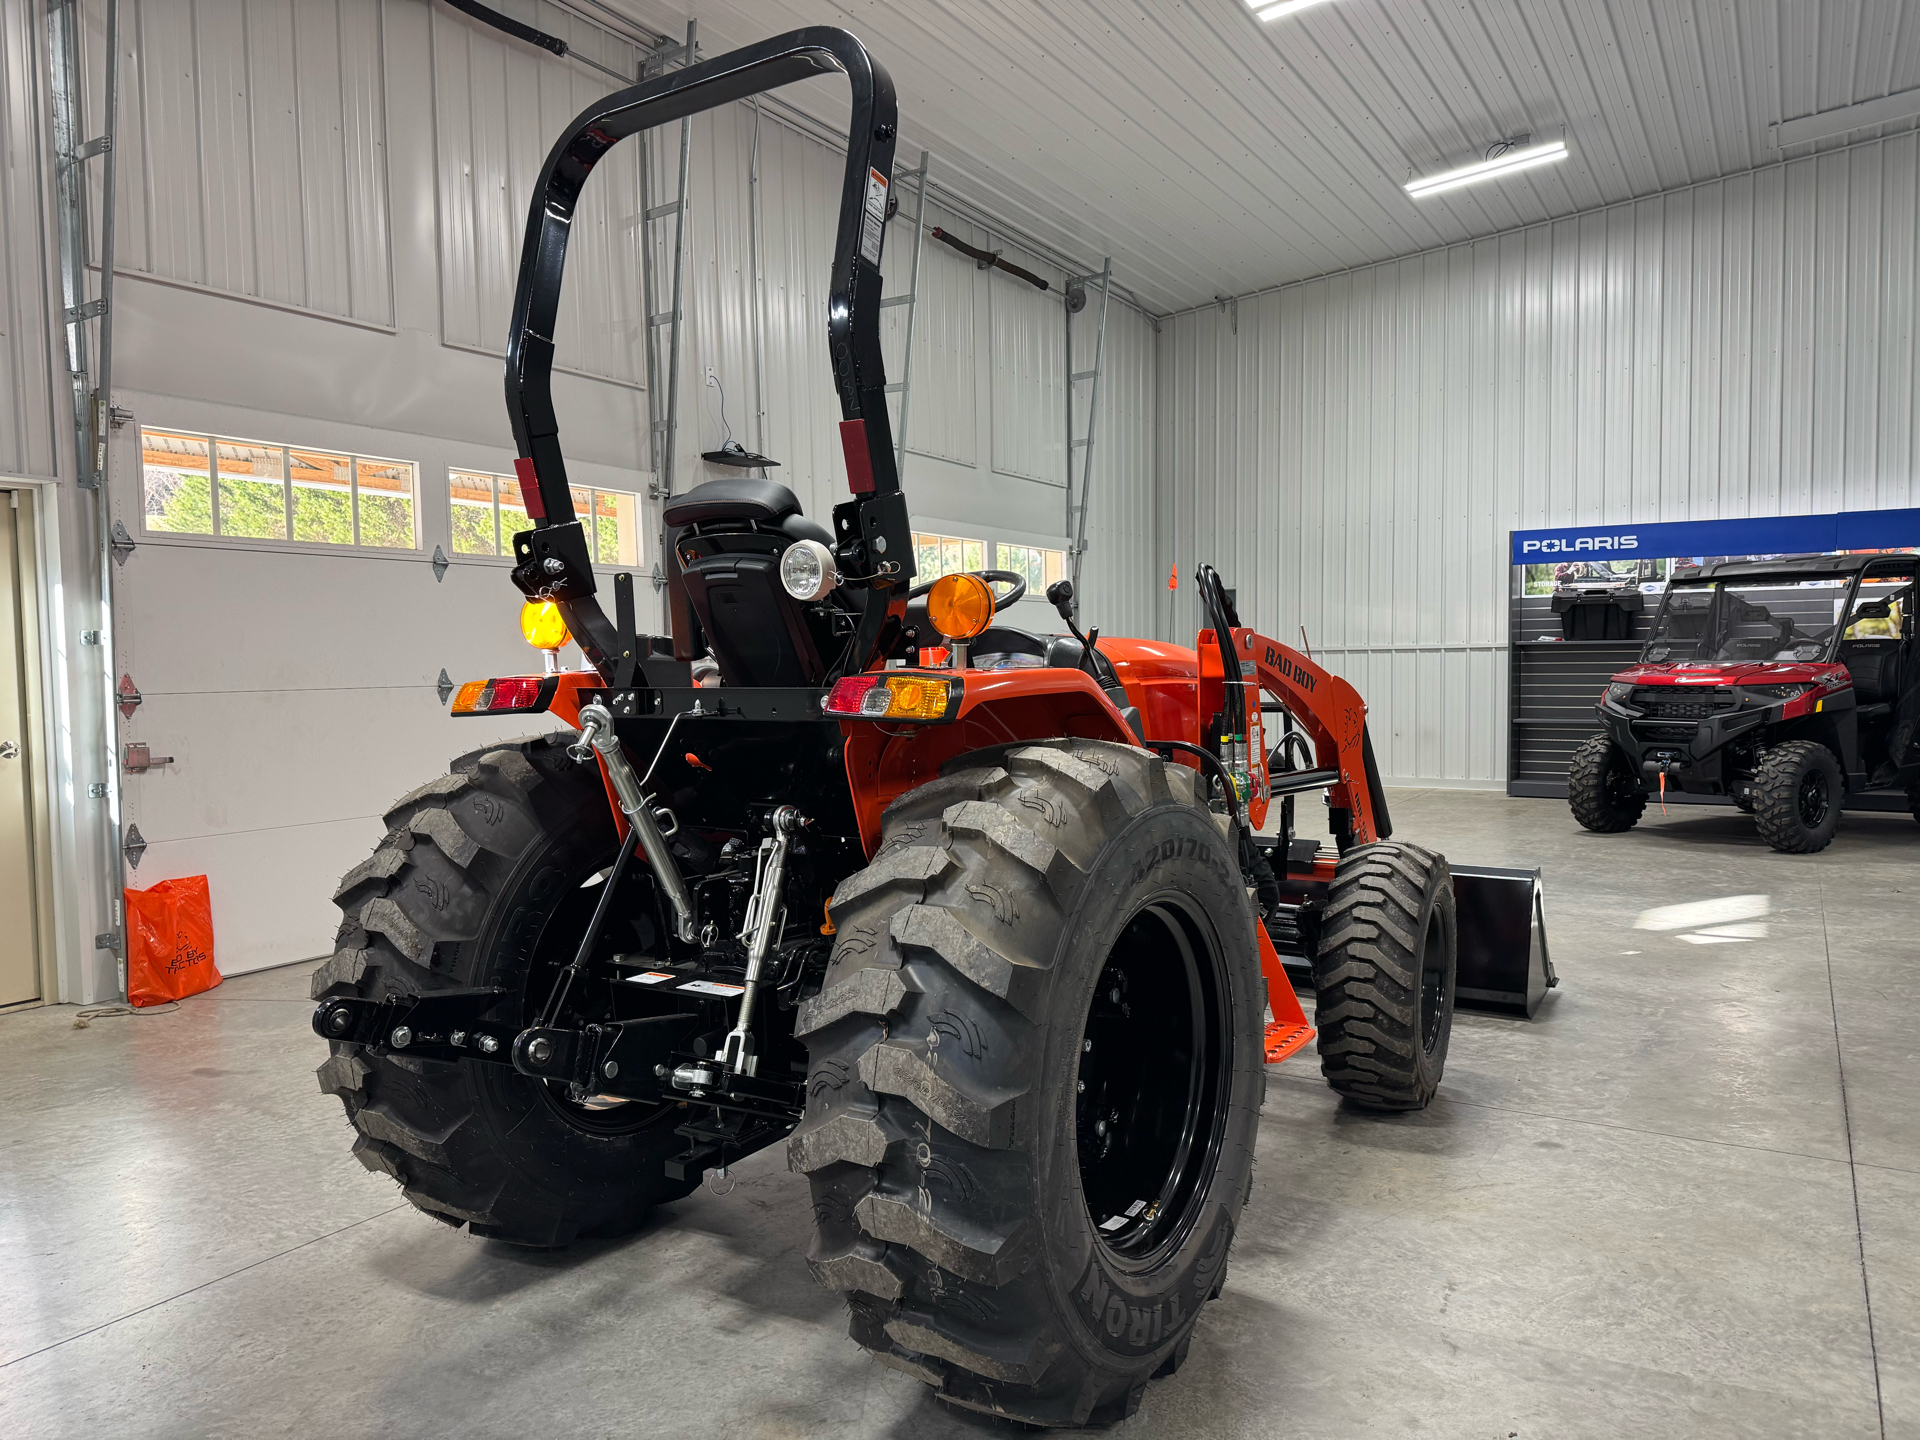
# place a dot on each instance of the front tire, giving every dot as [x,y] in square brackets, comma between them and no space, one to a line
[1603,790]
[1036,1069]
[1384,976]
[479,882]
[1797,797]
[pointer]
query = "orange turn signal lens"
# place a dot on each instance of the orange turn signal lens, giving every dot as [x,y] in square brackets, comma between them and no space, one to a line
[543,625]
[960,606]
[467,698]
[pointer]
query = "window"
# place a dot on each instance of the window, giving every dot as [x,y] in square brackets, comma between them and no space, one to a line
[487,512]
[1039,566]
[251,490]
[939,555]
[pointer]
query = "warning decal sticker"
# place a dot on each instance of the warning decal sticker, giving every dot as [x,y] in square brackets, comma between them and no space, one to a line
[712,988]
[652,978]
[873,221]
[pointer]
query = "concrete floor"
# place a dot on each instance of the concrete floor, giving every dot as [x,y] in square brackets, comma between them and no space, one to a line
[1680,1202]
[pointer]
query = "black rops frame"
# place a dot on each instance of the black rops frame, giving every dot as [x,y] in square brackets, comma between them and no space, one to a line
[554,559]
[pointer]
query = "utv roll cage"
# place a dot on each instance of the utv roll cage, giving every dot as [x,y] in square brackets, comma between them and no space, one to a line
[1853,569]
[553,559]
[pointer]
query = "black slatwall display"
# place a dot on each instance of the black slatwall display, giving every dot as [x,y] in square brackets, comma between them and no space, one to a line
[1552,688]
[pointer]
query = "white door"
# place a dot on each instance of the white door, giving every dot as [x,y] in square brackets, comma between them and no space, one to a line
[19,959]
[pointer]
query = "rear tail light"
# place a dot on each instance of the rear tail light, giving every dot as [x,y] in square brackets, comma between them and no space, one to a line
[506,693]
[894,697]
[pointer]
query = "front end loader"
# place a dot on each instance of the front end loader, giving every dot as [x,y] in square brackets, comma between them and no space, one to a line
[979,923]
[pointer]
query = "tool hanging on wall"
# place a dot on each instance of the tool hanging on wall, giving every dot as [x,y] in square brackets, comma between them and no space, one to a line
[986,258]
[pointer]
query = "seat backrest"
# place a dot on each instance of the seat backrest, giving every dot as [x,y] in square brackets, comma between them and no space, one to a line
[1874,663]
[728,536]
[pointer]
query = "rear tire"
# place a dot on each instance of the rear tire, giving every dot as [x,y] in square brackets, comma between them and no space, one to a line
[1797,797]
[478,882]
[1384,976]
[1603,790]
[1036,1068]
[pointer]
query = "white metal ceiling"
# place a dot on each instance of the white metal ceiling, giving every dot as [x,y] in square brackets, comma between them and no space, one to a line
[1214,155]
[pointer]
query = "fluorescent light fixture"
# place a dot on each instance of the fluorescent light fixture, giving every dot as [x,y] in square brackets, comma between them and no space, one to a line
[1503,164]
[1286,7]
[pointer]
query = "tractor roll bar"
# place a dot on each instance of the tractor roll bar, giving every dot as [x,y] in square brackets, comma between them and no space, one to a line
[559,565]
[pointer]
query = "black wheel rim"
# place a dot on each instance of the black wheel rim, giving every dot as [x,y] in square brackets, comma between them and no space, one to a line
[1813,798]
[560,937]
[1433,980]
[1154,1081]
[1622,785]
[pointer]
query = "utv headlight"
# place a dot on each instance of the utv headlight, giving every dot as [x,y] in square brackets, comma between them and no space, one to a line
[1620,690]
[1779,692]
[807,570]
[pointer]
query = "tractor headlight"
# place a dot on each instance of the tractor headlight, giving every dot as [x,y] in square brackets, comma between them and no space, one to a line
[807,570]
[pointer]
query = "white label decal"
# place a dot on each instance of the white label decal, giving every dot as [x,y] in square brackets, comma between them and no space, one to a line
[652,978]
[873,221]
[711,988]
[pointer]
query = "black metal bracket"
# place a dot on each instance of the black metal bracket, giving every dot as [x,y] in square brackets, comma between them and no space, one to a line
[443,1025]
[554,564]
[608,1058]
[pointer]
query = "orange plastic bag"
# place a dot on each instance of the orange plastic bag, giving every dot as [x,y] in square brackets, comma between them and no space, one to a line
[170,942]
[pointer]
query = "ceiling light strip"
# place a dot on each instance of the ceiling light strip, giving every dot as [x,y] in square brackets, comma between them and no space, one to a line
[1523,159]
[1286,7]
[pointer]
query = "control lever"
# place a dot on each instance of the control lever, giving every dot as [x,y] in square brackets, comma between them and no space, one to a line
[597,737]
[766,910]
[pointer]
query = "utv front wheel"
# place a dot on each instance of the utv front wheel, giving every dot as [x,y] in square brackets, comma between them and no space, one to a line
[1036,1068]
[1603,790]
[1797,797]
[486,878]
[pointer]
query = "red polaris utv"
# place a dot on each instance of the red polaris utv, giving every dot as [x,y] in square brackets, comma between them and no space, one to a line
[979,940]
[1786,685]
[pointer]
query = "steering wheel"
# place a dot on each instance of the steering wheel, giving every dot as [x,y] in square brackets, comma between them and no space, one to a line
[993,578]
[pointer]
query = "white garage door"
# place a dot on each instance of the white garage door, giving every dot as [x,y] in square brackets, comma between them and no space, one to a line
[283,624]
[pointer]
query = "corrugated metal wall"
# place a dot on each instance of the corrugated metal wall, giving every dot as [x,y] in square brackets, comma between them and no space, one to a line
[498,104]
[27,361]
[252,146]
[1352,451]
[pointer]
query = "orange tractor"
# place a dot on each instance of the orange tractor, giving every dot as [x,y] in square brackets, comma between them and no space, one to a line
[976,920]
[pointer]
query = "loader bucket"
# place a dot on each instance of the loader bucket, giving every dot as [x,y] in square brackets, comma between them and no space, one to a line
[1501,933]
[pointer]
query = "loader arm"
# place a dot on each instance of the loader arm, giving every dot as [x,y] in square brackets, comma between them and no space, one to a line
[1334,717]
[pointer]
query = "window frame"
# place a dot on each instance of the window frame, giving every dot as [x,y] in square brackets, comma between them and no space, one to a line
[505,555]
[288,542]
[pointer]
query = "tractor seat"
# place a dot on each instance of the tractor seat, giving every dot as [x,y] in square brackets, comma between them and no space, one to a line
[1877,667]
[735,497]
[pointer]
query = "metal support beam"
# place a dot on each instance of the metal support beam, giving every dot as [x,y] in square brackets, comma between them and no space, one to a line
[92,381]
[1077,512]
[911,301]
[663,409]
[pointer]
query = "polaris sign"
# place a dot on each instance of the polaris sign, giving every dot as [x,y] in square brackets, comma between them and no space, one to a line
[1559,545]
[1762,535]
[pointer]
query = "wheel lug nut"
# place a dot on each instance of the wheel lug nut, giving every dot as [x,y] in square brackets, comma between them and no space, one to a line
[1080,1085]
[1086,1046]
